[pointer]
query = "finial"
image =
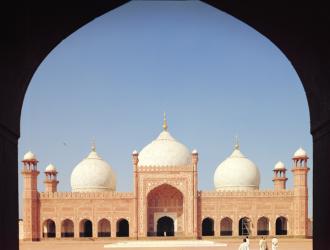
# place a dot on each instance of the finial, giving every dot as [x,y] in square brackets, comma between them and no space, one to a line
[236,142]
[165,123]
[93,145]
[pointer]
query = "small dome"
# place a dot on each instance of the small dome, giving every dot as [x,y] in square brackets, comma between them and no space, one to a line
[93,174]
[165,151]
[29,156]
[50,168]
[135,152]
[300,153]
[194,151]
[279,165]
[237,173]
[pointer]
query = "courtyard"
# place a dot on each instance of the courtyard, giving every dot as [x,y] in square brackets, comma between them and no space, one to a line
[227,244]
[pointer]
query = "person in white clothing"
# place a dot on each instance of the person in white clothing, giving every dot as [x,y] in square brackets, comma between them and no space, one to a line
[248,242]
[262,244]
[243,245]
[274,243]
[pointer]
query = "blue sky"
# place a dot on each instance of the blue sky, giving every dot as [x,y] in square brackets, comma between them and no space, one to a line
[214,76]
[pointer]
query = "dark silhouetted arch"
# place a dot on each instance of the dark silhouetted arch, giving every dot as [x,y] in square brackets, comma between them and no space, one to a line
[122,228]
[281,226]
[208,227]
[165,226]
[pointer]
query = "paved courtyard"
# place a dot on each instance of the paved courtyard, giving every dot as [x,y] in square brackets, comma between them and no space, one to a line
[90,244]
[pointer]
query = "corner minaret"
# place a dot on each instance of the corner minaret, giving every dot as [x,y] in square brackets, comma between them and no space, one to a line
[31,220]
[300,171]
[51,179]
[135,161]
[194,157]
[279,176]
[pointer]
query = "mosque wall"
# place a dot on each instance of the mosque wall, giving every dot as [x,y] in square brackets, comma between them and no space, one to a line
[60,206]
[254,205]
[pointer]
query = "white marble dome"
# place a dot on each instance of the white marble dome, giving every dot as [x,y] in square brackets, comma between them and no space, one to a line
[50,168]
[237,172]
[165,151]
[300,153]
[279,166]
[93,174]
[29,156]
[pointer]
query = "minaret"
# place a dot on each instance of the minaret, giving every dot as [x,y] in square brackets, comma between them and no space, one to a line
[51,179]
[279,176]
[300,171]
[31,220]
[135,161]
[194,157]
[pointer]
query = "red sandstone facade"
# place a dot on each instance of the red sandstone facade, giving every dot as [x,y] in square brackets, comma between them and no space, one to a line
[165,201]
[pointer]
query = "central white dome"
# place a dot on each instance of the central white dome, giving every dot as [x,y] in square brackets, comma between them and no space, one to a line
[237,173]
[165,151]
[93,174]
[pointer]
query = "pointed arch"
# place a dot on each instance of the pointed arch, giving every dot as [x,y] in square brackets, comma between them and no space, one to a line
[244,226]
[263,226]
[85,228]
[48,229]
[226,227]
[208,227]
[122,228]
[67,228]
[281,226]
[103,228]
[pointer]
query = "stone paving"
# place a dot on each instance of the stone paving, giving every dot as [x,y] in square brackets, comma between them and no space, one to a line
[226,244]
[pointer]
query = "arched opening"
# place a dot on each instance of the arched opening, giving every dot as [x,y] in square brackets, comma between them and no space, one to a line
[244,226]
[122,228]
[67,228]
[165,226]
[49,229]
[281,226]
[263,226]
[103,228]
[208,227]
[86,228]
[164,198]
[226,227]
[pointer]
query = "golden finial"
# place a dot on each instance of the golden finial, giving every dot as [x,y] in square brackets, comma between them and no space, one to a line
[165,123]
[236,142]
[93,144]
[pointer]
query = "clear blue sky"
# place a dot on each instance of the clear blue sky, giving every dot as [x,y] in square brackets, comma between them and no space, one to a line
[213,75]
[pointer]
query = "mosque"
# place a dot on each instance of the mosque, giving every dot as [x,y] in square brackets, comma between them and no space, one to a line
[165,201]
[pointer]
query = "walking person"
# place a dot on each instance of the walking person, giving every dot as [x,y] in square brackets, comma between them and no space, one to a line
[243,245]
[262,244]
[248,242]
[274,243]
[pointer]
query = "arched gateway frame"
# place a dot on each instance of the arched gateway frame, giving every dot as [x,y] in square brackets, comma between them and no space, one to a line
[165,201]
[267,27]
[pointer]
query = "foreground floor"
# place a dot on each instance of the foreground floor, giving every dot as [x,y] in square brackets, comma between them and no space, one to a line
[226,244]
